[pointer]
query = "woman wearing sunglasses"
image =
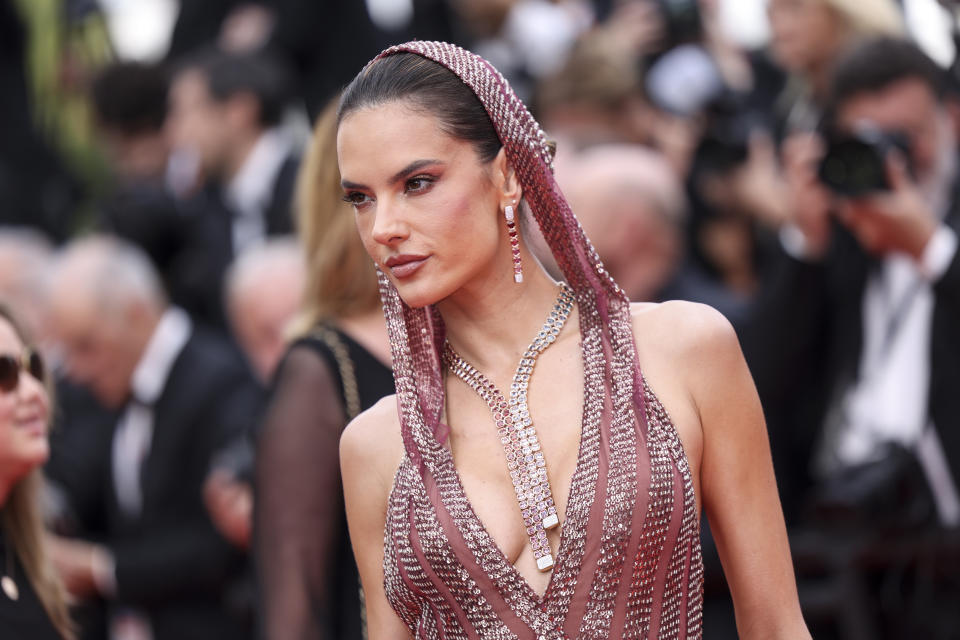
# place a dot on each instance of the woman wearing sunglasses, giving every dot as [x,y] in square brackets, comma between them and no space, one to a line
[32,604]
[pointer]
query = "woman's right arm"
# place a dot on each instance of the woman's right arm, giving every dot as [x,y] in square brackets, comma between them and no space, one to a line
[370,452]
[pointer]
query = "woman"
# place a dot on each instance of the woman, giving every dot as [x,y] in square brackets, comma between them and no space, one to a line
[32,605]
[808,35]
[534,514]
[337,366]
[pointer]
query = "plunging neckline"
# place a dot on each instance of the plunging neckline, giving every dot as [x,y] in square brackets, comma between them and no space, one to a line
[539,600]
[536,598]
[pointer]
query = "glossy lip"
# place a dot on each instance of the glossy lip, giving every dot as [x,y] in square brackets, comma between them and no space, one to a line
[404,265]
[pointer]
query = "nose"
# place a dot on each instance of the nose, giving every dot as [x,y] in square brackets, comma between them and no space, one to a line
[389,225]
[30,389]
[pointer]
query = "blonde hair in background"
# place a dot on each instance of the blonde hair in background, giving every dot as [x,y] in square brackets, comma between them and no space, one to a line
[341,279]
[870,17]
[23,527]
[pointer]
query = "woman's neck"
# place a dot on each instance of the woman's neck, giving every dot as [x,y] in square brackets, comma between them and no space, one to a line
[490,324]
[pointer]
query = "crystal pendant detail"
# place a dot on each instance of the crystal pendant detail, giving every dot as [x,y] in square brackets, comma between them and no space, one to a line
[545,563]
[525,461]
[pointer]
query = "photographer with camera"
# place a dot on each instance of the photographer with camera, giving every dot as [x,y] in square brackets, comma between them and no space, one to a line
[856,349]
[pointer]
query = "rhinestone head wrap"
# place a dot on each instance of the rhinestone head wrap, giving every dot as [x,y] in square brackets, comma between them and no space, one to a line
[417,335]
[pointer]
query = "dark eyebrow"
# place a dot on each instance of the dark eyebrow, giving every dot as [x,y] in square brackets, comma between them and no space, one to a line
[397,177]
[410,168]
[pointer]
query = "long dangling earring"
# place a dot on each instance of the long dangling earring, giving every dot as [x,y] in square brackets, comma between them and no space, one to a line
[514,243]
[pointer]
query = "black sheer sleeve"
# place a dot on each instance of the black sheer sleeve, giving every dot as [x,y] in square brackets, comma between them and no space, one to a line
[299,520]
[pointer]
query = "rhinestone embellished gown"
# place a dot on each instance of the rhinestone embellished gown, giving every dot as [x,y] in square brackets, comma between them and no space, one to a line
[629,559]
[629,562]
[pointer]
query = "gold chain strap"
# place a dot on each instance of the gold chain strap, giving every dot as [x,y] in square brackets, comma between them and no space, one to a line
[348,373]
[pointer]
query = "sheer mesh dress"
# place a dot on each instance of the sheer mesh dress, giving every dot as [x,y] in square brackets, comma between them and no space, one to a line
[307,575]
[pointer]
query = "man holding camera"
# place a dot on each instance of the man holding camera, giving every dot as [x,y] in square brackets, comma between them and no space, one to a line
[855,343]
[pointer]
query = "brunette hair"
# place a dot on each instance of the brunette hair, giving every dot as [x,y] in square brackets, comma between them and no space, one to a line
[258,73]
[427,86]
[341,280]
[22,523]
[877,63]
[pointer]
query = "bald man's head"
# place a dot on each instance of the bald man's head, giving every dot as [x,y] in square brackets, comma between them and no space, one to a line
[632,207]
[106,300]
[264,288]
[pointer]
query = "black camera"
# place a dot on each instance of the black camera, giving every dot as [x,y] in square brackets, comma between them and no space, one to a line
[855,163]
[729,123]
[681,21]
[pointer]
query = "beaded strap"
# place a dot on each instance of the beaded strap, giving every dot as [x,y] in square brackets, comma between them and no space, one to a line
[348,374]
[519,439]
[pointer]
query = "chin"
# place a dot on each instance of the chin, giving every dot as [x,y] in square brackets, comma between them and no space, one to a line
[33,455]
[419,294]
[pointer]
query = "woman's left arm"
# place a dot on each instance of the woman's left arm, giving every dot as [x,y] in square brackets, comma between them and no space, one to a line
[739,491]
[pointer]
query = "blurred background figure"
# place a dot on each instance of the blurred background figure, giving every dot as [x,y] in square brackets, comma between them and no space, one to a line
[595,97]
[181,394]
[225,110]
[130,109]
[807,36]
[633,208]
[32,598]
[855,352]
[232,167]
[25,256]
[264,289]
[337,366]
[309,35]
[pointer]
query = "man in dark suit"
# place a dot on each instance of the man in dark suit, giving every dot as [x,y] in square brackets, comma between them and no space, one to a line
[225,110]
[855,345]
[182,395]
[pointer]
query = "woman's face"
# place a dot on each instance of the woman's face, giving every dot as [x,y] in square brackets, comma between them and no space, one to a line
[24,414]
[806,33]
[426,207]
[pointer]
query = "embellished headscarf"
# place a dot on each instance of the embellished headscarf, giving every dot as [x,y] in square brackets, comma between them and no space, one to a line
[417,335]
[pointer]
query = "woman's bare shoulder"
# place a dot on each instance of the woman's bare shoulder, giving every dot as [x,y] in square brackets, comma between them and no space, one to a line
[682,327]
[372,440]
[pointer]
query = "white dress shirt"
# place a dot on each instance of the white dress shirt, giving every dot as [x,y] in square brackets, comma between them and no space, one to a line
[132,439]
[249,192]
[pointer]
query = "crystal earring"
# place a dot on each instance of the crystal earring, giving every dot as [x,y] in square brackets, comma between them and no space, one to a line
[514,243]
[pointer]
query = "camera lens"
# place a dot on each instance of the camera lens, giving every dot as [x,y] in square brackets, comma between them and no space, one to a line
[855,164]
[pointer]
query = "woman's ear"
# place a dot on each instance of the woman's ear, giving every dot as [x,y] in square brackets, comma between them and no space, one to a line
[505,178]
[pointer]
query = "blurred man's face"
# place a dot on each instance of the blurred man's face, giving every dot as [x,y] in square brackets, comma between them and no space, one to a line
[260,313]
[638,245]
[97,356]
[806,33]
[196,122]
[910,107]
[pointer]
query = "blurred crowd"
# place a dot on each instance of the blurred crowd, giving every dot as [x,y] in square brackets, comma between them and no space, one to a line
[173,242]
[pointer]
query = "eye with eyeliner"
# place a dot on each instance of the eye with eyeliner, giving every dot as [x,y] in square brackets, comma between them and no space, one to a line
[419,183]
[355,198]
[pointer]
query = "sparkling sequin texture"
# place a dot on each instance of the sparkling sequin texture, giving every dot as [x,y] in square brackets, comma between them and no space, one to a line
[629,561]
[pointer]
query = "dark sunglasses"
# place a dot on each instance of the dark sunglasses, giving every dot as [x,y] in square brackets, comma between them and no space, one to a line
[11,366]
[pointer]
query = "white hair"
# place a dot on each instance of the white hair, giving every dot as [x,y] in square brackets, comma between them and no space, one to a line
[119,272]
[276,253]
